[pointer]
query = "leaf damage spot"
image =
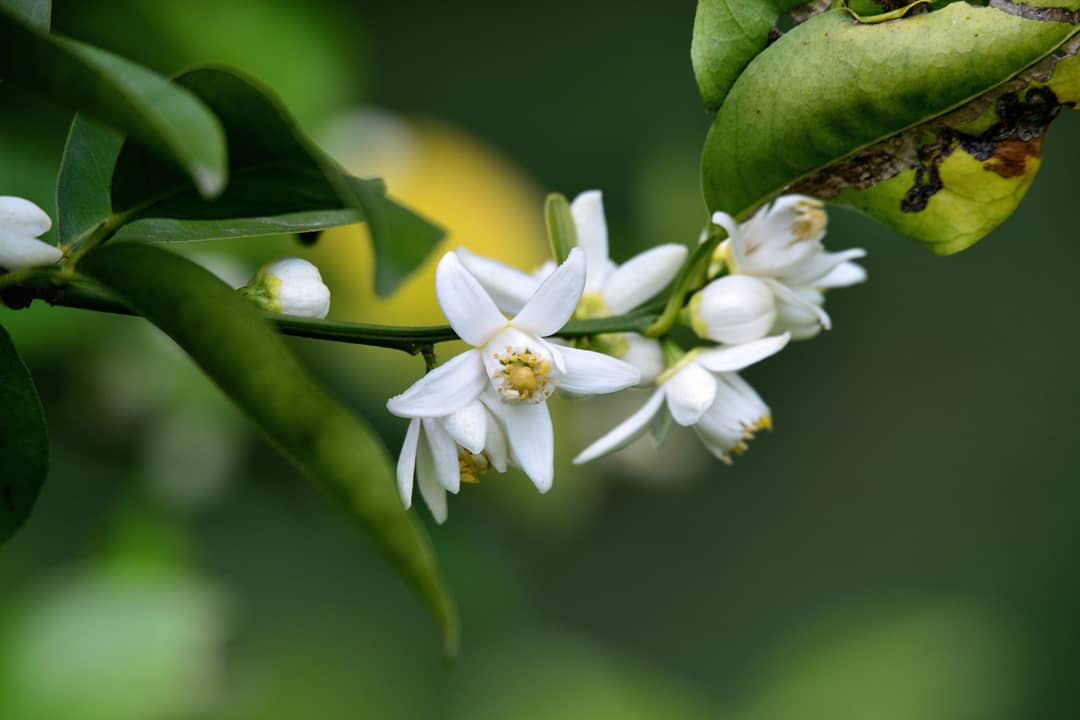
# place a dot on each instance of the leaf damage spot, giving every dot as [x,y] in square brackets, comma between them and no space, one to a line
[1039,13]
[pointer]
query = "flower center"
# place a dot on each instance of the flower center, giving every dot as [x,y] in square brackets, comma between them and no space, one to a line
[472,466]
[810,220]
[523,376]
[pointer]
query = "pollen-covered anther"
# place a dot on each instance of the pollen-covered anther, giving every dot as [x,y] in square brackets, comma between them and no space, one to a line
[472,465]
[810,220]
[524,376]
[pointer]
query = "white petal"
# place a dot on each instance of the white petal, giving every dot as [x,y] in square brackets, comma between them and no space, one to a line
[736,243]
[507,286]
[19,216]
[733,309]
[646,355]
[468,309]
[406,464]
[556,299]
[788,296]
[737,357]
[690,392]
[22,251]
[495,444]
[468,426]
[625,432]
[819,266]
[447,388]
[588,212]
[641,277]
[444,453]
[593,373]
[843,275]
[433,493]
[528,428]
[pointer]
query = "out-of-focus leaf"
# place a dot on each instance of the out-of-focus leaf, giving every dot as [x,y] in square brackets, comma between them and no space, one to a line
[37,13]
[727,36]
[153,111]
[250,363]
[24,440]
[836,104]
[82,189]
[168,230]
[275,170]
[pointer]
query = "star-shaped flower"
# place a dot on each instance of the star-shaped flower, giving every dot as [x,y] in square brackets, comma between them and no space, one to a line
[21,223]
[703,391]
[512,358]
[781,248]
[610,289]
[444,452]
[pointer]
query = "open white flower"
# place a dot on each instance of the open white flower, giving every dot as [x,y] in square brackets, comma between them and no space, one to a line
[441,453]
[781,245]
[291,286]
[21,223]
[513,359]
[701,391]
[610,289]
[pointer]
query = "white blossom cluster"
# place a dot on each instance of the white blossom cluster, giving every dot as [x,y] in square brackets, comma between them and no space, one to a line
[486,409]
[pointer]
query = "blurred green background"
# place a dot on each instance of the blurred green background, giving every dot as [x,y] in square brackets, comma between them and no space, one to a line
[898,548]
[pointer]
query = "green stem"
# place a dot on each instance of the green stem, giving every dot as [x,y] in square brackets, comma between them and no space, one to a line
[690,277]
[56,287]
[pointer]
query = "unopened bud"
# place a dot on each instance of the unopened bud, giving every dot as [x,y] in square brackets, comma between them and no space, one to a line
[733,309]
[290,286]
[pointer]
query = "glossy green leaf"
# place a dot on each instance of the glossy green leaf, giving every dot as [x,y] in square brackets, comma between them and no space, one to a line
[82,189]
[276,170]
[36,13]
[836,103]
[238,350]
[155,112]
[168,230]
[562,232]
[727,36]
[24,440]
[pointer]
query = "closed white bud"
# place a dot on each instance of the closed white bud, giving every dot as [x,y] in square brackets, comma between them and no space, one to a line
[733,309]
[290,286]
[21,222]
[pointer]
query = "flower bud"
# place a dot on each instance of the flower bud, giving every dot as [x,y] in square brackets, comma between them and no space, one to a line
[733,309]
[21,222]
[290,286]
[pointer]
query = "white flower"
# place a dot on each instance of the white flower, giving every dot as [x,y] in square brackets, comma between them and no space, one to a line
[610,289]
[21,222]
[701,391]
[512,358]
[446,451]
[781,245]
[291,286]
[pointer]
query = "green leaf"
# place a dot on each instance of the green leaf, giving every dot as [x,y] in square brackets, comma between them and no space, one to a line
[562,232]
[82,189]
[727,36]
[24,440]
[276,170]
[237,349]
[837,104]
[168,230]
[36,13]
[145,105]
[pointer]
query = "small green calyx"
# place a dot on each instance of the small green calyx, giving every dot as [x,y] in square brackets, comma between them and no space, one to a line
[264,290]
